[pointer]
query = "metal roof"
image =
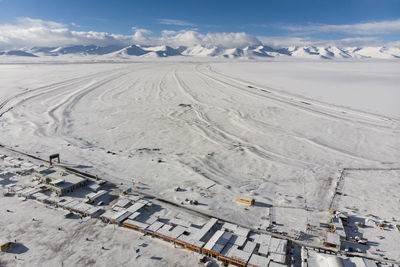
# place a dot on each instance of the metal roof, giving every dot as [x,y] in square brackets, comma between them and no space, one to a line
[170,231]
[205,229]
[229,226]
[250,247]
[238,240]
[140,225]
[332,238]
[122,202]
[135,207]
[218,241]
[155,226]
[238,254]
[277,246]
[242,231]
[258,260]
[122,215]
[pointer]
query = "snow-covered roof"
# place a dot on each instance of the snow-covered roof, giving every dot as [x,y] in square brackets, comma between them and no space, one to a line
[242,231]
[258,260]
[155,226]
[229,226]
[250,246]
[140,225]
[218,241]
[332,238]
[277,246]
[135,207]
[122,215]
[205,229]
[170,231]
[122,202]
[94,196]
[238,254]
[238,240]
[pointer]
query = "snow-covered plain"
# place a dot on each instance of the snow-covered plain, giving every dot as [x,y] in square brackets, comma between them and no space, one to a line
[369,85]
[275,131]
[78,243]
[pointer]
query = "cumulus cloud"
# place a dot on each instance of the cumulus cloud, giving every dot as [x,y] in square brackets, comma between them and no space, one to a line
[367,28]
[28,32]
[191,38]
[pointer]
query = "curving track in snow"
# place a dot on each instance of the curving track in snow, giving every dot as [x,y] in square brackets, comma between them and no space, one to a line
[205,127]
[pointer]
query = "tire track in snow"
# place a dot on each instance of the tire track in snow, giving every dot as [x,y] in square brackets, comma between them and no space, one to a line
[298,98]
[320,144]
[220,136]
[297,104]
[66,106]
[244,122]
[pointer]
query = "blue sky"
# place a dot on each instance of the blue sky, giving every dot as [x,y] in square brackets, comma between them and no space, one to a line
[320,20]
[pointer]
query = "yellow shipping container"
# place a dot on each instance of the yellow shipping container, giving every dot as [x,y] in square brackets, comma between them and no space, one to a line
[245,201]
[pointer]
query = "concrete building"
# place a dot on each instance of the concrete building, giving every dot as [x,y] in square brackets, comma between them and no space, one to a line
[60,181]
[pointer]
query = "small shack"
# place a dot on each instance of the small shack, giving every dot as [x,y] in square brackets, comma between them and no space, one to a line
[332,240]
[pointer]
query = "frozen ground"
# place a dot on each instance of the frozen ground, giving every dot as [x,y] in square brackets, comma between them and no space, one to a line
[40,243]
[370,86]
[219,137]
[370,196]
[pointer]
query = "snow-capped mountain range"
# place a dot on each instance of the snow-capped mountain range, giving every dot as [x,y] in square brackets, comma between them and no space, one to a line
[249,52]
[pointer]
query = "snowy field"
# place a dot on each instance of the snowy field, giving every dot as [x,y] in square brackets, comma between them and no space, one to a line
[218,130]
[40,243]
[370,85]
[371,196]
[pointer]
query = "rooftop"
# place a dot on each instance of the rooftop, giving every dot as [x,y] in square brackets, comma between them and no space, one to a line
[60,178]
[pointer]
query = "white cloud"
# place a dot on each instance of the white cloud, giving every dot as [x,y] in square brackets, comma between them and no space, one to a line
[190,38]
[175,22]
[28,32]
[367,28]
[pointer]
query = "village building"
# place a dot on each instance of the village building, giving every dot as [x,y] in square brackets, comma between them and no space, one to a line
[60,181]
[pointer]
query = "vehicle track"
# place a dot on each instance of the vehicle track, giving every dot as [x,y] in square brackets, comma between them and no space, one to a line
[330,112]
